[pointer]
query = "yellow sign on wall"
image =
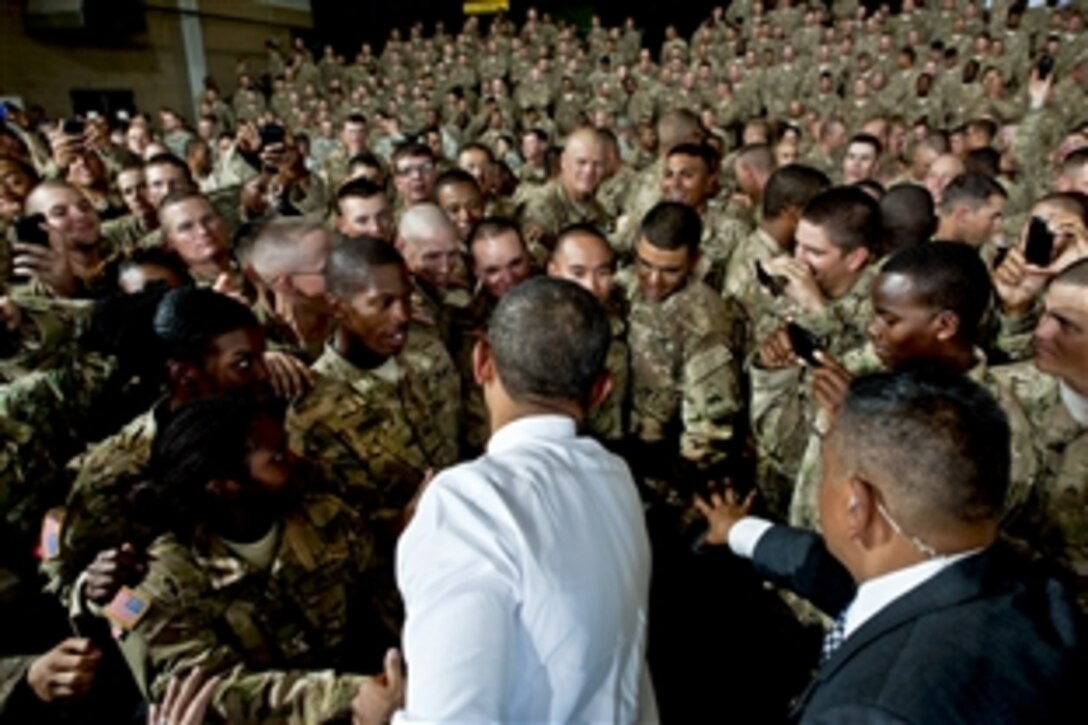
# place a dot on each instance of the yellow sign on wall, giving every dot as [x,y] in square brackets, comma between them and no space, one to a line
[486,7]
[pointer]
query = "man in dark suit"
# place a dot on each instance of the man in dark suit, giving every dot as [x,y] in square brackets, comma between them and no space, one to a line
[937,621]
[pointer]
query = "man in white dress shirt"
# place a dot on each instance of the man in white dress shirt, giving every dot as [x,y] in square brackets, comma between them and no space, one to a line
[525,573]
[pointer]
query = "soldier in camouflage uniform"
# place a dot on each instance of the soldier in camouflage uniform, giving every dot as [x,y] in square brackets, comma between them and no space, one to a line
[583,256]
[1048,401]
[213,344]
[691,177]
[289,618]
[686,399]
[825,284]
[570,199]
[788,190]
[384,410]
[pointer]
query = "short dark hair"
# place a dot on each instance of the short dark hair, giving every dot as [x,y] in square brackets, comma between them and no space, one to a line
[451,177]
[985,161]
[849,216]
[361,187]
[936,444]
[907,217]
[583,228]
[188,319]
[703,151]
[792,187]
[947,276]
[477,146]
[347,271]
[156,257]
[867,138]
[670,225]
[168,159]
[559,361]
[971,190]
[1076,274]
[491,227]
[411,148]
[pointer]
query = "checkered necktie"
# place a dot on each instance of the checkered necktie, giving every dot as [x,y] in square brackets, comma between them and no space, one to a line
[834,637]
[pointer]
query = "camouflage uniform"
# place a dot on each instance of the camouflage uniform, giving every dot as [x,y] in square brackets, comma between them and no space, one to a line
[740,275]
[99,513]
[549,211]
[608,421]
[1048,507]
[286,639]
[722,235]
[125,232]
[376,439]
[685,376]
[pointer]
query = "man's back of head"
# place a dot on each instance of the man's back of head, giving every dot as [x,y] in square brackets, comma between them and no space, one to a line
[554,364]
[926,452]
[792,187]
[908,217]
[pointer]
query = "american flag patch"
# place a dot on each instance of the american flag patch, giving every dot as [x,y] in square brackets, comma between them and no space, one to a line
[126,609]
[49,544]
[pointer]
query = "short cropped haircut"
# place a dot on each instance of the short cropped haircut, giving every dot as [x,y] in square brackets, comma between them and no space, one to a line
[937,445]
[971,190]
[491,227]
[188,319]
[348,270]
[555,362]
[703,151]
[1076,275]
[582,229]
[907,216]
[410,149]
[947,276]
[849,217]
[867,138]
[361,187]
[168,160]
[792,187]
[985,161]
[452,177]
[670,225]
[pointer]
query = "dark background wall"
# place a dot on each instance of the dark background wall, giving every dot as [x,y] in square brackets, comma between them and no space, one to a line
[346,24]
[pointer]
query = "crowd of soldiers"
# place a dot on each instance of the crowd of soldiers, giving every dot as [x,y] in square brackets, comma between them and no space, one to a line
[232,353]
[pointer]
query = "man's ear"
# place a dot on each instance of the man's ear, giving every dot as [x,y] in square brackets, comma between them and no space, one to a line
[182,375]
[398,244]
[946,324]
[856,259]
[860,508]
[337,306]
[601,389]
[483,362]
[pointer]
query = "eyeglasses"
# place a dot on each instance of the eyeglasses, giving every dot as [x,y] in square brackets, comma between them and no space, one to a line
[417,170]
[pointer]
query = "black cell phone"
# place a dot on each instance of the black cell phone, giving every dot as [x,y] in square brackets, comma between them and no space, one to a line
[805,344]
[1046,65]
[73,127]
[1039,247]
[28,229]
[272,133]
[769,282]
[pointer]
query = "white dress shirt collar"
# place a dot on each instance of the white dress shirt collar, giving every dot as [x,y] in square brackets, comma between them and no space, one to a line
[876,594]
[531,427]
[1075,403]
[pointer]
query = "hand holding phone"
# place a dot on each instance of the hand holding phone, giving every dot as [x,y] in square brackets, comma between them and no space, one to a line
[804,343]
[29,229]
[772,283]
[1039,247]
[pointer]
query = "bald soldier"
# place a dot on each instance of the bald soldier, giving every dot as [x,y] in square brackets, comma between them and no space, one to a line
[570,199]
[428,241]
[583,255]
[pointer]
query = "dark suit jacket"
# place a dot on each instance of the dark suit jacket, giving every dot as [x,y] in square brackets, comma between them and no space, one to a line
[987,640]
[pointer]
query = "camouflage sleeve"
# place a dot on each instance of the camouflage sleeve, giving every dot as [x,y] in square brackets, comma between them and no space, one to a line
[711,402]
[444,393]
[176,633]
[97,512]
[781,417]
[805,503]
[15,696]
[1015,334]
[1030,147]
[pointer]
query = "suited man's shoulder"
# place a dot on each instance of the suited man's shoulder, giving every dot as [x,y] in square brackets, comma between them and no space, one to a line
[991,639]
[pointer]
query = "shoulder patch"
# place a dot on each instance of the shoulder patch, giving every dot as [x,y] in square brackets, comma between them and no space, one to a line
[127,609]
